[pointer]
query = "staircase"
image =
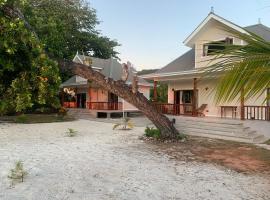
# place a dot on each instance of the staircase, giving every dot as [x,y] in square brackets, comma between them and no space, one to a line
[81,113]
[218,128]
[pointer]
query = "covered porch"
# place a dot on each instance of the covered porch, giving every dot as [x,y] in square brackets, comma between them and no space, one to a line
[78,92]
[189,95]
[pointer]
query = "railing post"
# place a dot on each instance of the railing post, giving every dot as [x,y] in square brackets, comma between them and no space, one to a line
[155,91]
[194,98]
[242,105]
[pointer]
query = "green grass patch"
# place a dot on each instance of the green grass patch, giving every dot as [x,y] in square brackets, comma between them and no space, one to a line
[36,118]
[152,132]
[267,142]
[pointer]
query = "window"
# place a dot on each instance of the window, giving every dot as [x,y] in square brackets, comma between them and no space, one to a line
[212,47]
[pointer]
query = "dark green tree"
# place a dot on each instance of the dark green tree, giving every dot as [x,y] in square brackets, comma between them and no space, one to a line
[65,27]
[28,78]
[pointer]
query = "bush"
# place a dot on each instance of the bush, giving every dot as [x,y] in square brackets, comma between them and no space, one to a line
[62,112]
[71,132]
[155,133]
[21,119]
[152,132]
[18,173]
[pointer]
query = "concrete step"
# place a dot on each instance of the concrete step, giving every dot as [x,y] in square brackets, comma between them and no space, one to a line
[209,120]
[216,132]
[229,129]
[224,137]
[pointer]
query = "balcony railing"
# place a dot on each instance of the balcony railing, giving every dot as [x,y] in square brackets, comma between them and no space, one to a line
[104,105]
[250,112]
[175,109]
[257,112]
[71,104]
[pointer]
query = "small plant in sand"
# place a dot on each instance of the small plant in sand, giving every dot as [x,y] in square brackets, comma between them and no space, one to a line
[71,132]
[18,173]
[125,125]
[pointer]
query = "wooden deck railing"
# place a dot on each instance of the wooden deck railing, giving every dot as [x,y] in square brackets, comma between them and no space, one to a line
[71,104]
[257,112]
[228,112]
[250,112]
[104,105]
[175,109]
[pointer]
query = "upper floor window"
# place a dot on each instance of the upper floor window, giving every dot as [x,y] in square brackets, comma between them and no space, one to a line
[212,47]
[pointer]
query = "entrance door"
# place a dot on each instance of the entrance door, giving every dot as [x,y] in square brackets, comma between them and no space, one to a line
[113,101]
[81,100]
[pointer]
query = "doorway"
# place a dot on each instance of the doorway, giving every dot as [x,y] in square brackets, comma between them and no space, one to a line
[81,100]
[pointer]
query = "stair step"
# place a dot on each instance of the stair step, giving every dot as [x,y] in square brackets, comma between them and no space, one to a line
[231,129]
[214,132]
[209,120]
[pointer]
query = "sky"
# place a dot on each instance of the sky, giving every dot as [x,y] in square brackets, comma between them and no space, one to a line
[151,32]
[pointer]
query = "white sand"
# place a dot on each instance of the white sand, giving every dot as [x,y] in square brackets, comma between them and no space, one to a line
[103,164]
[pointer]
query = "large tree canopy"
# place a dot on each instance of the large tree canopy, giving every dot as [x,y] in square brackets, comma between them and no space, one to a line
[27,76]
[65,27]
[33,33]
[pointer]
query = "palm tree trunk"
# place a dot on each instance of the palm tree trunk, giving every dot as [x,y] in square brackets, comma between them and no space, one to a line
[124,91]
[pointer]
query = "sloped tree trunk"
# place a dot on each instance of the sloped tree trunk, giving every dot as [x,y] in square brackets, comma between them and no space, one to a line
[117,87]
[124,91]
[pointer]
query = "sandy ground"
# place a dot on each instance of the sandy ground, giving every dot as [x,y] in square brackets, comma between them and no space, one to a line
[103,164]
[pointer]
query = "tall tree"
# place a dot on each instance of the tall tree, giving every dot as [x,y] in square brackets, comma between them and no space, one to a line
[28,78]
[117,87]
[65,27]
[243,68]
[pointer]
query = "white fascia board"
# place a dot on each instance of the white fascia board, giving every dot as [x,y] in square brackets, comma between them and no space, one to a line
[219,19]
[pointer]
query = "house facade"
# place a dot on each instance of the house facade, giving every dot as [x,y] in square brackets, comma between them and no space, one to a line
[78,92]
[189,93]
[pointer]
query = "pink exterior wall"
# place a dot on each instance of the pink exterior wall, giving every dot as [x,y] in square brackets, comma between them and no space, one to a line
[97,95]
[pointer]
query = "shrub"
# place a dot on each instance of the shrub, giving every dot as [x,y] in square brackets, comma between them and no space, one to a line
[62,111]
[126,124]
[155,133]
[71,132]
[18,173]
[21,119]
[152,132]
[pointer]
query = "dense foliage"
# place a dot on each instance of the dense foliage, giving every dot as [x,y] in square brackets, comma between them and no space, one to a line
[242,68]
[66,27]
[47,31]
[27,76]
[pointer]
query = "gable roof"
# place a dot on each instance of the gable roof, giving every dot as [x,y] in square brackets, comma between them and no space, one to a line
[75,81]
[108,67]
[212,16]
[184,62]
[260,30]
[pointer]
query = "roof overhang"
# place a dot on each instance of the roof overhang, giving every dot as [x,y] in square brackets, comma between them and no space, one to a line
[173,75]
[211,16]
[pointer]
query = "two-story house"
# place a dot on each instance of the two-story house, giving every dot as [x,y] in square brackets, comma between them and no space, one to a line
[189,93]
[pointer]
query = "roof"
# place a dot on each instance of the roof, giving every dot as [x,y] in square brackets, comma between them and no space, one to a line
[260,30]
[212,16]
[108,67]
[185,64]
[75,81]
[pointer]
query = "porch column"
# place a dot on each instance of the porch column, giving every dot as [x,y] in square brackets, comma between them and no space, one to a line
[62,97]
[242,105]
[155,91]
[194,97]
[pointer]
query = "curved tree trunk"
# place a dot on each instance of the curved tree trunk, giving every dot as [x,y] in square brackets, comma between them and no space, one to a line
[117,87]
[124,91]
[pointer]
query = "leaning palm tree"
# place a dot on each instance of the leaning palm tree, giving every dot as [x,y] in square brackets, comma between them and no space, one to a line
[243,69]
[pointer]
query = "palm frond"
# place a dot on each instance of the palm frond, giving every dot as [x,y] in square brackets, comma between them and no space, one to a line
[243,68]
